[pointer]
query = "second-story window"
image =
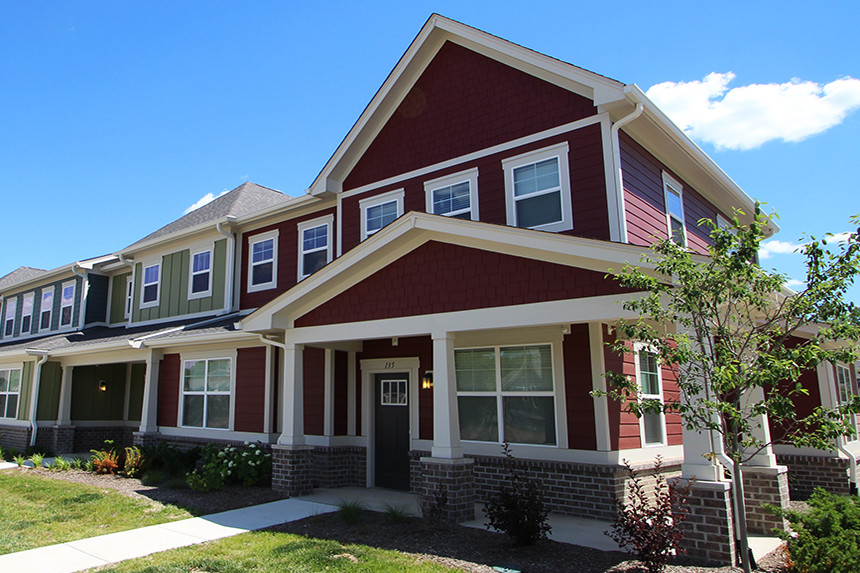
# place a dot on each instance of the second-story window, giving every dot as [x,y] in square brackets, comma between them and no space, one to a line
[454,195]
[262,263]
[27,313]
[66,303]
[9,322]
[378,212]
[673,192]
[45,309]
[537,185]
[201,274]
[151,275]
[315,245]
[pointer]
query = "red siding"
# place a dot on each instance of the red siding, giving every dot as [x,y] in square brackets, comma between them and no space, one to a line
[341,392]
[168,390]
[314,390]
[288,248]
[623,426]
[672,395]
[250,389]
[803,404]
[441,277]
[464,102]
[577,384]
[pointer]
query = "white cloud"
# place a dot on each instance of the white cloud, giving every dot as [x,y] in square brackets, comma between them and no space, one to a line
[748,116]
[791,283]
[208,198]
[776,247]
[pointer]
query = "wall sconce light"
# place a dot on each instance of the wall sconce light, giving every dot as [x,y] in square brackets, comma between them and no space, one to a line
[427,380]
[102,386]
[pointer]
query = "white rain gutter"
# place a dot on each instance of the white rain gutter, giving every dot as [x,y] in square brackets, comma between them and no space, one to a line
[616,161]
[229,271]
[34,399]
[85,289]
[270,342]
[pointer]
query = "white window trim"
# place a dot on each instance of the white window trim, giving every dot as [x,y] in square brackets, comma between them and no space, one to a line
[469,176]
[670,182]
[328,221]
[129,296]
[143,284]
[560,151]
[9,369]
[252,240]
[191,254]
[32,297]
[50,310]
[839,368]
[365,204]
[641,347]
[230,355]
[71,305]
[11,305]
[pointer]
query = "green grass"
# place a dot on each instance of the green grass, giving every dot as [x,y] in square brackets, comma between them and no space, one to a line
[36,511]
[267,551]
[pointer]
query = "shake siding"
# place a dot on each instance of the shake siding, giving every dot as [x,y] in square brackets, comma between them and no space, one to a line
[577,383]
[168,390]
[341,389]
[250,389]
[313,366]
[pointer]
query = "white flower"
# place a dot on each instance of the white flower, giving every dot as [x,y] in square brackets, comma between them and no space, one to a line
[247,443]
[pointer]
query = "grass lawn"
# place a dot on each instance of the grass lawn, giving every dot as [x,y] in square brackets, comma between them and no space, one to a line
[36,511]
[267,551]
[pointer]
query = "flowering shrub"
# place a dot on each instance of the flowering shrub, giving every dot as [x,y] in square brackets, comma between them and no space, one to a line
[248,465]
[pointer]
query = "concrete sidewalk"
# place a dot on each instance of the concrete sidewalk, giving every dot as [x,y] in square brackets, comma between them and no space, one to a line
[115,547]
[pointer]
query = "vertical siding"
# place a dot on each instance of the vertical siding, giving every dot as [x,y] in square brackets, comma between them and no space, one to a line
[313,366]
[250,389]
[581,432]
[117,298]
[136,388]
[168,390]
[49,391]
[26,391]
[97,301]
[88,402]
[341,392]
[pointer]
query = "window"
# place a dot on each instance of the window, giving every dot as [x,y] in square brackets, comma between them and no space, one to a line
[9,323]
[843,383]
[67,303]
[651,388]
[129,298]
[27,313]
[454,195]
[673,192]
[151,275]
[506,393]
[393,393]
[262,267]
[537,186]
[315,245]
[379,211]
[10,392]
[200,283]
[206,388]
[46,308]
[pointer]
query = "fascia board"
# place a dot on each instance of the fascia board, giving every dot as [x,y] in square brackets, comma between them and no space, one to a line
[49,277]
[201,339]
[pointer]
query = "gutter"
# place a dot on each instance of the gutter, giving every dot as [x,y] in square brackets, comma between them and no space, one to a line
[231,258]
[616,164]
[34,399]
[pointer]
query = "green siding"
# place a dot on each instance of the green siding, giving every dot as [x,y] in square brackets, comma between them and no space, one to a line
[117,298]
[88,403]
[135,395]
[49,391]
[26,391]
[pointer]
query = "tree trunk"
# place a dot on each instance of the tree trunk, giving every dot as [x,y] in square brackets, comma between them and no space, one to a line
[741,517]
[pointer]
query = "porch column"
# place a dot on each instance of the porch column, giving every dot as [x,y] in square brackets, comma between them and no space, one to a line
[292,400]
[149,413]
[446,421]
[64,415]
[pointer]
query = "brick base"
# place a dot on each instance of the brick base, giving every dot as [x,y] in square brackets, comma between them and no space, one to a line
[145,439]
[56,439]
[764,485]
[805,473]
[88,438]
[446,490]
[292,470]
[14,437]
[708,529]
[339,466]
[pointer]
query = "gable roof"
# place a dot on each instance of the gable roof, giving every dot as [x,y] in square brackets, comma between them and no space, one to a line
[19,275]
[245,199]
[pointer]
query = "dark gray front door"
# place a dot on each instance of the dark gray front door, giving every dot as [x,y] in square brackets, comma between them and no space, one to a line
[392,430]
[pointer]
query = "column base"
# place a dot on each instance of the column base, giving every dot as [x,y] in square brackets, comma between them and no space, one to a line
[446,489]
[765,485]
[292,470]
[709,527]
[143,439]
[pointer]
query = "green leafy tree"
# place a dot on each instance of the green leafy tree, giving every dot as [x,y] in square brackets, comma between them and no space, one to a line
[739,341]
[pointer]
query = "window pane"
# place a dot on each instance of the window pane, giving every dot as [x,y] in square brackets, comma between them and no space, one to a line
[529,420]
[10,326]
[66,315]
[453,198]
[3,406]
[218,411]
[27,308]
[11,306]
[648,369]
[536,177]
[263,251]
[201,262]
[14,380]
[262,274]
[68,294]
[200,283]
[314,262]
[539,210]
[195,375]
[316,238]
[479,419]
[46,320]
[12,406]
[219,376]
[47,300]
[526,368]
[379,216]
[677,230]
[150,293]
[192,411]
[150,274]
[4,381]
[673,203]
[26,323]
[476,370]
[653,428]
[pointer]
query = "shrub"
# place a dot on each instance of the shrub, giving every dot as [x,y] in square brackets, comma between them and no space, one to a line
[651,524]
[350,511]
[60,464]
[105,461]
[248,465]
[20,461]
[518,509]
[133,462]
[205,480]
[826,538]
[77,463]
[37,460]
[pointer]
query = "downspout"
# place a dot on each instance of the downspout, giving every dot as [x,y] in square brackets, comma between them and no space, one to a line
[34,399]
[229,271]
[852,466]
[85,289]
[616,161]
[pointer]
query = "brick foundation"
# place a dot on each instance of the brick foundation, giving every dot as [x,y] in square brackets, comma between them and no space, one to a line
[765,485]
[56,439]
[446,490]
[805,473]
[339,466]
[14,437]
[708,530]
[292,470]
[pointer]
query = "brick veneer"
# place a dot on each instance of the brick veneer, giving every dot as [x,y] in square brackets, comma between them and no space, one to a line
[708,530]
[446,490]
[292,470]
[57,439]
[88,438]
[17,437]
[805,473]
[765,485]
[339,466]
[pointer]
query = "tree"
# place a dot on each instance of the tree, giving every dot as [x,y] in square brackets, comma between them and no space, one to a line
[739,341]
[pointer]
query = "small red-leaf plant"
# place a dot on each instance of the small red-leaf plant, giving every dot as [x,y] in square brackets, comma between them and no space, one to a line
[649,523]
[105,461]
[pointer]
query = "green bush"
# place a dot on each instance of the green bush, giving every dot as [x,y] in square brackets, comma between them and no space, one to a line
[133,461]
[826,538]
[248,465]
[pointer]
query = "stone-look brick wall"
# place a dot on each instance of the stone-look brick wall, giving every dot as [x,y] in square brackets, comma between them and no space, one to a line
[292,470]
[88,438]
[57,439]
[805,473]
[708,531]
[339,466]
[761,486]
[17,437]
[446,490]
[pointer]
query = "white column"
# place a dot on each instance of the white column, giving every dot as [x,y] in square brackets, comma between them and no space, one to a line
[598,383]
[149,415]
[292,399]
[64,415]
[446,422]
[761,431]
[328,393]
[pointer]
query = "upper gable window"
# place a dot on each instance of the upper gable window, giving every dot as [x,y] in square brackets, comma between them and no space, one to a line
[537,186]
[9,323]
[262,263]
[46,308]
[454,195]
[673,192]
[27,313]
[315,245]
[66,303]
[379,211]
[151,276]
[200,283]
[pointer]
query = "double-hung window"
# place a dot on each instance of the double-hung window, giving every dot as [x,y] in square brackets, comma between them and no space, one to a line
[506,393]
[129,296]
[454,195]
[200,282]
[843,383]
[315,245]
[9,322]
[206,387]
[151,276]
[673,193]
[651,389]
[10,392]
[537,187]
[45,308]
[379,211]
[262,261]
[27,313]
[67,302]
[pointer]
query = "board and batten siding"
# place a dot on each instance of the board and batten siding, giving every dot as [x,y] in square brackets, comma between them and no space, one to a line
[97,293]
[173,289]
[116,311]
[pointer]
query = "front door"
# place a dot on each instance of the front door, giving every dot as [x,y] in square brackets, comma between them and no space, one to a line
[391,442]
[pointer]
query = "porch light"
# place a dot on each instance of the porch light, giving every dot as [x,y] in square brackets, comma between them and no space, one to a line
[427,380]
[102,386]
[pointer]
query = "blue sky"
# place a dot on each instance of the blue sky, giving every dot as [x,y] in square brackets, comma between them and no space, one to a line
[115,117]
